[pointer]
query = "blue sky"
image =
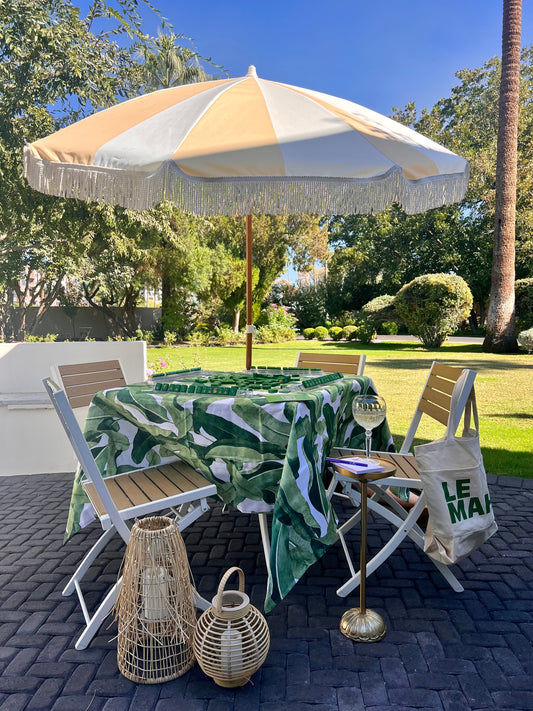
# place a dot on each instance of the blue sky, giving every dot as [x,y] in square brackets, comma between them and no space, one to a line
[379,54]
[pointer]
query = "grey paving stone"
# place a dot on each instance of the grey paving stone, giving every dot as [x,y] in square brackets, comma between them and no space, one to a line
[454,652]
[415,698]
[45,696]
[14,702]
[373,688]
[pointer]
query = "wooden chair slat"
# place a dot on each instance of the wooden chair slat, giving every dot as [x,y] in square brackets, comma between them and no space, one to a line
[437,398]
[93,379]
[330,357]
[169,485]
[194,479]
[135,494]
[120,499]
[146,484]
[92,388]
[346,363]
[94,367]
[450,372]
[437,413]
[441,384]
[91,492]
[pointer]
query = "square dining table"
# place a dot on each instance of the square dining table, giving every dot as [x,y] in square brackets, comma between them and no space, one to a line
[265,449]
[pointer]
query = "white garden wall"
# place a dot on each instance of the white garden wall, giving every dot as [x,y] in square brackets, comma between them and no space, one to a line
[32,440]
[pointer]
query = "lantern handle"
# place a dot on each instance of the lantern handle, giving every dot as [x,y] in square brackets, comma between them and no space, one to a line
[223,582]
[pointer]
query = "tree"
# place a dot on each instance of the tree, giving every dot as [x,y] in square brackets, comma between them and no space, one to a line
[53,70]
[377,254]
[500,336]
[167,63]
[274,237]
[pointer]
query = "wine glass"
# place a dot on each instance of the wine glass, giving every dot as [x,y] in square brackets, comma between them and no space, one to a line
[369,411]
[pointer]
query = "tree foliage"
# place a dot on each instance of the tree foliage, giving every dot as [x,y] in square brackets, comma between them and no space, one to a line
[54,69]
[377,254]
[433,305]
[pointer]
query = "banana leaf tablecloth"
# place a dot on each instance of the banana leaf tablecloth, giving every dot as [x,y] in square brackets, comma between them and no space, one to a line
[264,452]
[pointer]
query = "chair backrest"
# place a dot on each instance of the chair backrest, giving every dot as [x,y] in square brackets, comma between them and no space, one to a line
[436,398]
[345,363]
[81,381]
[73,431]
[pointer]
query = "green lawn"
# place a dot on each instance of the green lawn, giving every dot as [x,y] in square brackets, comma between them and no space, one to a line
[504,387]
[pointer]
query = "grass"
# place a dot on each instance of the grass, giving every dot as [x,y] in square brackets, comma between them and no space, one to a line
[504,388]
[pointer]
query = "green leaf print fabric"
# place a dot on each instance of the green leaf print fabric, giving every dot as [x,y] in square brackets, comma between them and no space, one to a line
[266,452]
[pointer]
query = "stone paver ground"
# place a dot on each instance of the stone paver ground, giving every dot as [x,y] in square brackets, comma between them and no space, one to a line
[442,650]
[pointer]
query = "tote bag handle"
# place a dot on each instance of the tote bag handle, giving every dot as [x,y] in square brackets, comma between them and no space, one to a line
[470,408]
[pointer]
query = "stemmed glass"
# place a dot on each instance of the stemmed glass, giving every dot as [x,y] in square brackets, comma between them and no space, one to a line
[369,411]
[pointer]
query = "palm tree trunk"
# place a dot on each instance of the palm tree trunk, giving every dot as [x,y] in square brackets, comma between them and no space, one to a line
[500,336]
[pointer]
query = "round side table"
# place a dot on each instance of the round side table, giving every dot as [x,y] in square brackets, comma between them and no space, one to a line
[359,623]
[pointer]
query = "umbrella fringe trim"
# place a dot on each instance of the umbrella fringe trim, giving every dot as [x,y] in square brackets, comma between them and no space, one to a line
[238,196]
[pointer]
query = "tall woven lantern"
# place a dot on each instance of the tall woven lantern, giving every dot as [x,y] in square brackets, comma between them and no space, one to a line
[231,639]
[155,607]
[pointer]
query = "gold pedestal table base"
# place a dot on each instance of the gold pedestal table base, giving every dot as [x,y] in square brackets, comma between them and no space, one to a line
[358,623]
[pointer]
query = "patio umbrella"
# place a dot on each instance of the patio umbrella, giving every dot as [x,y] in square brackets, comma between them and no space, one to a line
[244,146]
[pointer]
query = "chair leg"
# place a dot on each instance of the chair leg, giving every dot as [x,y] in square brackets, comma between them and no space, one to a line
[94,623]
[265,538]
[406,526]
[88,560]
[185,515]
[188,513]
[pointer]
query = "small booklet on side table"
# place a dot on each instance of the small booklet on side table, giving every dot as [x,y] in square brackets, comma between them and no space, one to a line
[357,465]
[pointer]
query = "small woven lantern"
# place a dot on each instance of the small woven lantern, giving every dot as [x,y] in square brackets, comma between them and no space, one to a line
[155,607]
[231,638]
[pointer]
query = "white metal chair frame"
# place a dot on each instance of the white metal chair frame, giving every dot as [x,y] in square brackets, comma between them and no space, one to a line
[187,506]
[441,382]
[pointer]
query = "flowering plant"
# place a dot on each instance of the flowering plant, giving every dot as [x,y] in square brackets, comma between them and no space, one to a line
[277,315]
[156,367]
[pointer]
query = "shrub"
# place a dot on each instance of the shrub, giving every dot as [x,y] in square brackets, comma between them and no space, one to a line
[147,336]
[525,339]
[226,336]
[345,318]
[276,324]
[524,303]
[380,309]
[350,333]
[321,332]
[276,315]
[200,337]
[169,338]
[49,338]
[308,334]
[276,333]
[389,328]
[335,333]
[366,330]
[433,305]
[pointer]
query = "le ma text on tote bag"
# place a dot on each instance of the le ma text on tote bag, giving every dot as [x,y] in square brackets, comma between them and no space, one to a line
[455,485]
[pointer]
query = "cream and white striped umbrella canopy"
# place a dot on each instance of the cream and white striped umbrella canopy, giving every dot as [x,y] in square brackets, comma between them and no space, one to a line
[243,146]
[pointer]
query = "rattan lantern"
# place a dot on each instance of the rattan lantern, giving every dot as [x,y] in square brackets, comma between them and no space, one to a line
[231,638]
[155,607]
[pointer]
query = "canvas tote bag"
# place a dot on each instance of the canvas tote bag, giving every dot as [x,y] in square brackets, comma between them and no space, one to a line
[455,485]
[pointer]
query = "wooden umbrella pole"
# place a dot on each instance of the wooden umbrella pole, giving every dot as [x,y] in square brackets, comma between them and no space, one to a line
[249,334]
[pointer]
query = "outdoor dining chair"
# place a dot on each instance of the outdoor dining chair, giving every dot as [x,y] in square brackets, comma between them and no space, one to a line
[345,363]
[435,402]
[120,499]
